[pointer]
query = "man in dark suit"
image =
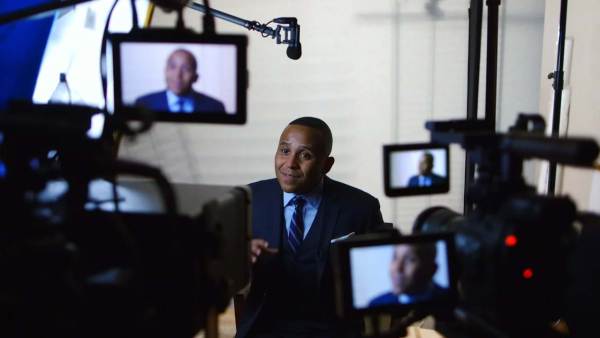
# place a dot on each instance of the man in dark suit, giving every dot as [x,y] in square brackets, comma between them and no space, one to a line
[411,273]
[179,97]
[426,177]
[295,218]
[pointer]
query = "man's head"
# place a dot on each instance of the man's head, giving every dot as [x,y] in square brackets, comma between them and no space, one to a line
[302,158]
[425,164]
[412,268]
[181,72]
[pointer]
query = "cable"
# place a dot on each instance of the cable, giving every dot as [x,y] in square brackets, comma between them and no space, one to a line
[180,24]
[134,16]
[208,21]
[262,32]
[103,54]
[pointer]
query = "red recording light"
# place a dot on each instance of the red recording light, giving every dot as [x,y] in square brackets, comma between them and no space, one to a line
[510,240]
[528,273]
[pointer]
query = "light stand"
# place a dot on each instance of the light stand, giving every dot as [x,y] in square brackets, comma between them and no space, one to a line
[475,24]
[558,84]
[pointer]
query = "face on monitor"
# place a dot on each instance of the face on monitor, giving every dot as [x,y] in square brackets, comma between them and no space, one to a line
[415,169]
[180,77]
[396,275]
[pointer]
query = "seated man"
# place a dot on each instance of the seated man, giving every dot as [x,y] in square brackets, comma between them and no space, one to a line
[179,97]
[294,219]
[426,177]
[411,272]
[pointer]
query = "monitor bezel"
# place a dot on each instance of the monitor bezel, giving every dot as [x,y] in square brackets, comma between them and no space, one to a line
[128,112]
[343,275]
[391,191]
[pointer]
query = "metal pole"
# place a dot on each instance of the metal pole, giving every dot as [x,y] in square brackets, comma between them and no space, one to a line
[250,25]
[221,15]
[558,88]
[475,24]
[492,63]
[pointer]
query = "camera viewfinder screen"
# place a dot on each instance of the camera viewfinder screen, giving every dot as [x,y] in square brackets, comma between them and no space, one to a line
[416,169]
[396,274]
[189,81]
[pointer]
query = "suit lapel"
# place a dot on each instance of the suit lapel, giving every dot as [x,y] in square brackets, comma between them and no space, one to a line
[275,218]
[331,209]
[164,102]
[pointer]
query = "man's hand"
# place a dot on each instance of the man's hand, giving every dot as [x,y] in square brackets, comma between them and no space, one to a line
[260,247]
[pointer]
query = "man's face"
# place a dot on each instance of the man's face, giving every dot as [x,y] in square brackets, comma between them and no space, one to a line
[180,72]
[425,164]
[300,160]
[410,273]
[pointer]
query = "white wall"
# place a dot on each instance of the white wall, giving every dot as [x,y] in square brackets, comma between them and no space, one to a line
[375,71]
[583,27]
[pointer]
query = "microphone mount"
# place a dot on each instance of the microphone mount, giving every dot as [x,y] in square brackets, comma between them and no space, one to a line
[286,32]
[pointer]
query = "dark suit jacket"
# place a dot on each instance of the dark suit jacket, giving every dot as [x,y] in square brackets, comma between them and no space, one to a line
[158,102]
[345,210]
[435,180]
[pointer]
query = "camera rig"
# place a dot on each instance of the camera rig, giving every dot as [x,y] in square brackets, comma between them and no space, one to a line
[515,249]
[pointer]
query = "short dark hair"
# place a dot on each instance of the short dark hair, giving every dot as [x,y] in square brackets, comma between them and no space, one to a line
[189,54]
[321,126]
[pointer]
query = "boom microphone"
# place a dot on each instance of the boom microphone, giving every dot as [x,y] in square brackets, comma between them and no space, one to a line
[294,50]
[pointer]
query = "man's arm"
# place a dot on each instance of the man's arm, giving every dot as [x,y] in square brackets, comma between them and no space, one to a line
[375,220]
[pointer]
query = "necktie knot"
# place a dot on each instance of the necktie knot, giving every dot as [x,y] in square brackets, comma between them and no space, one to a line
[299,202]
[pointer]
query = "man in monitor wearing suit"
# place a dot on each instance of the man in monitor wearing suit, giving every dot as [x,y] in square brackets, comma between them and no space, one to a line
[426,176]
[411,273]
[179,97]
[295,219]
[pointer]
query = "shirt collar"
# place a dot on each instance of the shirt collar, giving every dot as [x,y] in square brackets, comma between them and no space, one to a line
[312,198]
[405,298]
[172,98]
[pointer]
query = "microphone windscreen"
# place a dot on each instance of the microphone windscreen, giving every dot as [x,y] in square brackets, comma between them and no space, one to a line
[294,53]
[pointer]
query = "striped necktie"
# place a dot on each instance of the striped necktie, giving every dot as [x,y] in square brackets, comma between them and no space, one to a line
[180,103]
[296,233]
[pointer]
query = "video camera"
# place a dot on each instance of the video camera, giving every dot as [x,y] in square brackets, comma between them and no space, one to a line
[96,246]
[521,258]
[87,252]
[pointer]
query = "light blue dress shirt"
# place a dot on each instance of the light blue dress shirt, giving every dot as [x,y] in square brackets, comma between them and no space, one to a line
[187,103]
[424,181]
[311,207]
[421,297]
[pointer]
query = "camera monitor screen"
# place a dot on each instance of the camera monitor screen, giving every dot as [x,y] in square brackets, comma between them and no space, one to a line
[416,169]
[180,77]
[392,275]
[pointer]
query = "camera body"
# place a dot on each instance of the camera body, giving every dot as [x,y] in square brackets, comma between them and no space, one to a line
[86,253]
[514,249]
